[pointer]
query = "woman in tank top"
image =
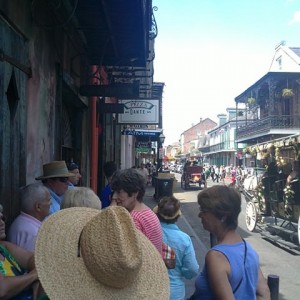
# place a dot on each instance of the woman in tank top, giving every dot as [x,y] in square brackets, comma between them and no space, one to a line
[231,269]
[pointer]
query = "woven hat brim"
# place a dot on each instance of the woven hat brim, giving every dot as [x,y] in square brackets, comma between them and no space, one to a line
[155,210]
[56,175]
[63,274]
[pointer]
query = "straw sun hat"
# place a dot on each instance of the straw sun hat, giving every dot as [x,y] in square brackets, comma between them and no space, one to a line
[82,253]
[55,169]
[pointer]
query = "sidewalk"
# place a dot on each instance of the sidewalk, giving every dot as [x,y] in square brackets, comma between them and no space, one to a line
[183,224]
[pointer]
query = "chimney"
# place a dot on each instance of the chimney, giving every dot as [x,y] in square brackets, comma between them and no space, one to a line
[222,119]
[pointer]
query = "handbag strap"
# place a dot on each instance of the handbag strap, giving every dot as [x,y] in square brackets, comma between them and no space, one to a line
[245,254]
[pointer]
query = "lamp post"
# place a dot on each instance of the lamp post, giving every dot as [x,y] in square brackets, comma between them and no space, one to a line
[161,140]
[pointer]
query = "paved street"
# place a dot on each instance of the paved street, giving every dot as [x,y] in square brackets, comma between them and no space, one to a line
[273,260]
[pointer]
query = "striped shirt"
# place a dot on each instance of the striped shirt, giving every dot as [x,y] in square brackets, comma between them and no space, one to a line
[147,222]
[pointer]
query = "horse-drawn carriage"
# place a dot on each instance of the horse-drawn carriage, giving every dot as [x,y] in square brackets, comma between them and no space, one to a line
[273,193]
[192,176]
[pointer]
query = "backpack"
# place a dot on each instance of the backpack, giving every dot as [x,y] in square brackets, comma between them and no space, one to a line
[168,255]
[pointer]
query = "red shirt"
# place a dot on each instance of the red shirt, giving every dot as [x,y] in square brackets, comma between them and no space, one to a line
[147,222]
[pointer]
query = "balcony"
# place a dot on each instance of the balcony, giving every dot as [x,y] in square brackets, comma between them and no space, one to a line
[271,125]
[220,147]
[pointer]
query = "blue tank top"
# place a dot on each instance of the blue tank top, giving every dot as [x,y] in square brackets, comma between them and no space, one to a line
[249,273]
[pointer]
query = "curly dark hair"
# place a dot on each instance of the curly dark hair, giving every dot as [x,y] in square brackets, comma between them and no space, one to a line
[131,181]
[224,202]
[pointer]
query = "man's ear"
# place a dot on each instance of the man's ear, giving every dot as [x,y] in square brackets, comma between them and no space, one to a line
[37,206]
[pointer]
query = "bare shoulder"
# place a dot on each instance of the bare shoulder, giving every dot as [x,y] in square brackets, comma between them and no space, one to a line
[216,259]
[215,255]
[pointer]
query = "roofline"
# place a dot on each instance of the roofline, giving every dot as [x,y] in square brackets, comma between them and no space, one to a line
[263,79]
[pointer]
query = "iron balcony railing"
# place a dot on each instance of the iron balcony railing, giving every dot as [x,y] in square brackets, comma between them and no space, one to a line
[264,125]
[228,145]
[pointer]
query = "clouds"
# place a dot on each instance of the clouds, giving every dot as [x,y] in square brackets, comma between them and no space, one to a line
[296,18]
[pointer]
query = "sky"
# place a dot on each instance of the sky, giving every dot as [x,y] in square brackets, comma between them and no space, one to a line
[207,52]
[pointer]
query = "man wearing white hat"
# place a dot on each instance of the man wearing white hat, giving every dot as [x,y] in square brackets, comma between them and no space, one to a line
[56,178]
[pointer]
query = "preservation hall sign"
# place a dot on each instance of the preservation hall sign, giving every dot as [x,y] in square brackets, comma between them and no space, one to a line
[139,112]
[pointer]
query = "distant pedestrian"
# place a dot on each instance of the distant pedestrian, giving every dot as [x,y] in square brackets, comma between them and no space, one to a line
[223,174]
[233,177]
[207,173]
[145,172]
[217,173]
[109,168]
[186,265]
[212,173]
[74,168]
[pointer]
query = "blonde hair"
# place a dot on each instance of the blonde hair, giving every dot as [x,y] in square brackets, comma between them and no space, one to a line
[80,197]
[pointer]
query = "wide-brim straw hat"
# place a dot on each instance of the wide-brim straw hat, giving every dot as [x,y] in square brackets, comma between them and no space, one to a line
[55,169]
[84,253]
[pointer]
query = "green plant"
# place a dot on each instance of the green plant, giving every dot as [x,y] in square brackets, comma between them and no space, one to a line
[251,100]
[260,196]
[287,92]
[250,150]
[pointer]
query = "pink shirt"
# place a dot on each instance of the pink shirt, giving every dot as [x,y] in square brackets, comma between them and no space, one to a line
[147,222]
[23,231]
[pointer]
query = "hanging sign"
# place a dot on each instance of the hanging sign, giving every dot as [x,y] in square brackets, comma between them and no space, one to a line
[139,112]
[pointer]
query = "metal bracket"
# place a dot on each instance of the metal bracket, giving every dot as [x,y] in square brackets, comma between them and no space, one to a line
[11,60]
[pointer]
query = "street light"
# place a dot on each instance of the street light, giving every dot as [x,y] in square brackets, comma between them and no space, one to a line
[162,138]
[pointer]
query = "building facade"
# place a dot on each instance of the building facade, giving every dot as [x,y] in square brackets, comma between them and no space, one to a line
[189,138]
[63,70]
[272,104]
[219,145]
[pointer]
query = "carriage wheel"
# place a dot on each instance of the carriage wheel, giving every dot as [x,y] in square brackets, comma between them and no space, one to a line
[299,230]
[251,216]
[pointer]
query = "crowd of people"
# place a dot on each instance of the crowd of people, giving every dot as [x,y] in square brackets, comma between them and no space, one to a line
[220,173]
[69,243]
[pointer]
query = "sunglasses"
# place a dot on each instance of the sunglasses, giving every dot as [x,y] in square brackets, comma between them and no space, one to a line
[3,218]
[63,179]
